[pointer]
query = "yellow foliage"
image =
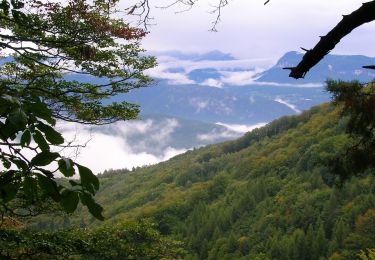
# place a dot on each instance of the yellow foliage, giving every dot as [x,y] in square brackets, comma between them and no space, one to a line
[11,223]
[369,255]
[335,256]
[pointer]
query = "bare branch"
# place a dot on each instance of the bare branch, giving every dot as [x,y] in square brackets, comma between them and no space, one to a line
[371,67]
[365,14]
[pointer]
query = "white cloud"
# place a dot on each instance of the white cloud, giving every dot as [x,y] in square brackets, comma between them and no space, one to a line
[291,106]
[173,78]
[199,103]
[234,72]
[167,62]
[238,78]
[212,83]
[108,147]
[215,135]
[232,131]
[241,128]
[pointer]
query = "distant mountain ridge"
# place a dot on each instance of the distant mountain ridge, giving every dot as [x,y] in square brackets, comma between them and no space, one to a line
[224,89]
[217,92]
[221,88]
[208,104]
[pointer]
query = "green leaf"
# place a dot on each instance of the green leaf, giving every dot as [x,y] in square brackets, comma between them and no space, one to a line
[44,158]
[49,187]
[9,185]
[6,163]
[4,6]
[69,201]
[18,118]
[21,164]
[30,188]
[66,167]
[26,138]
[40,110]
[88,179]
[51,134]
[39,139]
[9,191]
[7,177]
[94,208]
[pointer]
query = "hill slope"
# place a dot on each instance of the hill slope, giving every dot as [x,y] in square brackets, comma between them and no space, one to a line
[267,195]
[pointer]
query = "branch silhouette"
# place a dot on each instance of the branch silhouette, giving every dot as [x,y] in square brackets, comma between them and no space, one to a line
[364,14]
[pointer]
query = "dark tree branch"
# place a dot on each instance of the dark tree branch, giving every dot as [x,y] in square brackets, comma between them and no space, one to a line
[371,67]
[365,14]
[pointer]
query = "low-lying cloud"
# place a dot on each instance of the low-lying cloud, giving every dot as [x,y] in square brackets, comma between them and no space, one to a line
[161,72]
[286,103]
[239,78]
[212,83]
[141,142]
[233,131]
[241,128]
[233,72]
[120,145]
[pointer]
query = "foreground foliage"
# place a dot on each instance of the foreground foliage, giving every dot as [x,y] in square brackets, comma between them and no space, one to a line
[129,240]
[55,49]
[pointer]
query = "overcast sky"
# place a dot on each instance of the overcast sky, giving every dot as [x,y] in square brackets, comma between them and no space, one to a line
[248,29]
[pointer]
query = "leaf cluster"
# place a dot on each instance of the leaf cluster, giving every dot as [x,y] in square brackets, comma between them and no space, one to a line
[27,136]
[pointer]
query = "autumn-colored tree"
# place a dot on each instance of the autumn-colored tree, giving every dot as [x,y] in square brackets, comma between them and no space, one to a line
[55,49]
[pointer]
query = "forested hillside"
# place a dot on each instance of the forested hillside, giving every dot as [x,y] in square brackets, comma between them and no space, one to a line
[267,195]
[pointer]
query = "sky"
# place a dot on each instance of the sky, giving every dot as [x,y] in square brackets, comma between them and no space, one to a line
[249,29]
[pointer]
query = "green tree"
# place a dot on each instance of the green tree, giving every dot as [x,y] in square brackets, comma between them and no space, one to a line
[356,102]
[52,47]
